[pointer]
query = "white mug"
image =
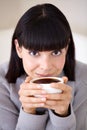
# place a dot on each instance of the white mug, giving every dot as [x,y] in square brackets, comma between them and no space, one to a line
[45,83]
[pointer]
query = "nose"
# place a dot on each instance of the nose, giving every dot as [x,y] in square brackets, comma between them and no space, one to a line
[46,63]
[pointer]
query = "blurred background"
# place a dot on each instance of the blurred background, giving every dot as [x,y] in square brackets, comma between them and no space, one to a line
[74,10]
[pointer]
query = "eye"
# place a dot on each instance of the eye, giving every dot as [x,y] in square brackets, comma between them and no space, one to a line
[33,53]
[56,52]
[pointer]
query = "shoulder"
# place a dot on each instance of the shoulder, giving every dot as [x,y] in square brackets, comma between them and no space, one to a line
[3,71]
[80,65]
[3,80]
[80,85]
[81,71]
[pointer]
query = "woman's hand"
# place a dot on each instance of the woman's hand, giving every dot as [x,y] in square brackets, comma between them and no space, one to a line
[57,102]
[60,102]
[28,100]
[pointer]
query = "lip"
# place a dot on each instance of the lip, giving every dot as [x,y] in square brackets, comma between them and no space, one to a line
[44,75]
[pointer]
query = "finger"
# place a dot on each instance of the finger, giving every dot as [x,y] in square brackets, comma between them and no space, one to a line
[65,79]
[31,92]
[27,80]
[32,105]
[61,86]
[30,86]
[56,105]
[59,97]
[32,99]
[51,102]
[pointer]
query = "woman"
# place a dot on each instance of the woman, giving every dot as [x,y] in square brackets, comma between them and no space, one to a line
[42,46]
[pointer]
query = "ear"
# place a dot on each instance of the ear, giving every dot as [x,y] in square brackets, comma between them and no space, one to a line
[18,48]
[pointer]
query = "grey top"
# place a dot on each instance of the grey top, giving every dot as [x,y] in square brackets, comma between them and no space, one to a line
[12,117]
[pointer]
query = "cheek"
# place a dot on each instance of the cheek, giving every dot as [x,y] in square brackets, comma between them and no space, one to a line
[60,63]
[28,65]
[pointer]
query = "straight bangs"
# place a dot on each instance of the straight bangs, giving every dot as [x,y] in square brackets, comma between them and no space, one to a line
[45,35]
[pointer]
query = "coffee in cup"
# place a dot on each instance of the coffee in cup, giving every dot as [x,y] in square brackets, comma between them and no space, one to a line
[45,83]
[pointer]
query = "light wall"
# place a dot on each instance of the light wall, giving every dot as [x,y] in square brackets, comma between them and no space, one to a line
[5,44]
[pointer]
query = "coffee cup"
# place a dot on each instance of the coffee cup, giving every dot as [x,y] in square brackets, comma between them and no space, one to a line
[45,83]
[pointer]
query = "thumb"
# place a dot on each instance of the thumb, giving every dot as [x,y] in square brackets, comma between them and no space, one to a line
[27,80]
[65,79]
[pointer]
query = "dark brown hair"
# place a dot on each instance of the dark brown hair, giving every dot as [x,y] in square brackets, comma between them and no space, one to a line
[42,28]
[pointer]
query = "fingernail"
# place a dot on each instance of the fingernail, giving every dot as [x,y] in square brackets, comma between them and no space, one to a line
[43,99]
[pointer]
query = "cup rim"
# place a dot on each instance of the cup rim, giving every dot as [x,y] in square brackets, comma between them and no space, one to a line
[58,78]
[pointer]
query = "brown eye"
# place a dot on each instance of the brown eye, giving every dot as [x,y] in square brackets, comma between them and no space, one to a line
[33,53]
[56,52]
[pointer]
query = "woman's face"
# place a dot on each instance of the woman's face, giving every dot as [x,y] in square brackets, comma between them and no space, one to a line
[42,63]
